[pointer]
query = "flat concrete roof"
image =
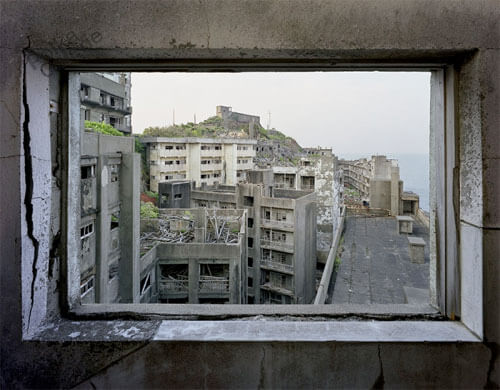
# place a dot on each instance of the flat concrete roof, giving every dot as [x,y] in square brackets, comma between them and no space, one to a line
[375,263]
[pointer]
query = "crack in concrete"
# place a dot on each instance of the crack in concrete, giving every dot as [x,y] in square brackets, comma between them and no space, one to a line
[262,369]
[380,381]
[28,196]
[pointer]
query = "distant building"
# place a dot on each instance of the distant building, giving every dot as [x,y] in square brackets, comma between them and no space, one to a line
[281,259]
[206,161]
[378,183]
[231,118]
[105,97]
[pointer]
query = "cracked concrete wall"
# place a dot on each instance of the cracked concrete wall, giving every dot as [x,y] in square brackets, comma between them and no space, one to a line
[343,31]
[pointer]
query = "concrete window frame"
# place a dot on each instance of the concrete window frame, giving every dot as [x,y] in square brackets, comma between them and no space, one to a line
[456,271]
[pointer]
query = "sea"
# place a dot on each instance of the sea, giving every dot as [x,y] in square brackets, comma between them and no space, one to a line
[413,170]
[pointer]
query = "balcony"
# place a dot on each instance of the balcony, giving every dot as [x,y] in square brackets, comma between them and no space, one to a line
[162,152]
[245,166]
[276,224]
[277,245]
[211,167]
[277,288]
[276,266]
[173,167]
[170,286]
[211,153]
[213,285]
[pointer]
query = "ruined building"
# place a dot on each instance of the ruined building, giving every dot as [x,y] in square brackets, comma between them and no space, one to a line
[105,97]
[281,243]
[317,171]
[234,119]
[202,160]
[194,256]
[109,234]
[49,340]
[378,184]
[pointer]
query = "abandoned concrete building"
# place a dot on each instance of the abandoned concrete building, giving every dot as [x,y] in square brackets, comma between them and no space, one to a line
[106,98]
[232,118]
[109,217]
[378,183]
[202,160]
[281,243]
[317,171]
[48,339]
[194,256]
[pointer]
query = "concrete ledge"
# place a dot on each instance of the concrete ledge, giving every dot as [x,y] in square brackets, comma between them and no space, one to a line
[343,331]
[220,312]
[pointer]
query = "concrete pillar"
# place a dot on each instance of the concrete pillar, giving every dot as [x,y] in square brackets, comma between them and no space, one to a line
[129,271]
[394,191]
[230,159]
[194,279]
[103,222]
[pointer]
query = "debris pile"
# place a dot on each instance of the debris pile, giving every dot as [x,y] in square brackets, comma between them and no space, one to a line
[171,228]
[219,229]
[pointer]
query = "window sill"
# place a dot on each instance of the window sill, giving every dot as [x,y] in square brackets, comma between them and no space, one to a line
[258,329]
[256,323]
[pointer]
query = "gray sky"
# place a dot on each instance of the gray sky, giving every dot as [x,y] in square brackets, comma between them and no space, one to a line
[353,112]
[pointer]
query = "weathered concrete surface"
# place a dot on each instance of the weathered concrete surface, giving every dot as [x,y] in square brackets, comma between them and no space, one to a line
[376,264]
[338,32]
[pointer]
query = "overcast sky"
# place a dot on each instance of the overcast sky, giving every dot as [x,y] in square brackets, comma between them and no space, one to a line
[353,112]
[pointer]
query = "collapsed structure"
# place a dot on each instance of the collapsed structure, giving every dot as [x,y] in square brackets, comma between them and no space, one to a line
[194,256]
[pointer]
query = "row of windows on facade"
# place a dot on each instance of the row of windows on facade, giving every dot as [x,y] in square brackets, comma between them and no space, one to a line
[202,147]
[109,119]
[88,172]
[104,98]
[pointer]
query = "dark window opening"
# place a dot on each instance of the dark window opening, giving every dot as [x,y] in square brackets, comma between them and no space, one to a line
[248,200]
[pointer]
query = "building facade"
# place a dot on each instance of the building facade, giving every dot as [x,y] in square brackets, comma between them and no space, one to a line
[109,218]
[202,160]
[281,242]
[105,98]
[378,184]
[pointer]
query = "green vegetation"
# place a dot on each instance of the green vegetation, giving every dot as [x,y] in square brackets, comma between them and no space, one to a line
[209,128]
[152,194]
[102,128]
[149,210]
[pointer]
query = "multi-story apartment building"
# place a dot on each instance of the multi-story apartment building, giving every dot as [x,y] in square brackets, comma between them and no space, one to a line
[202,160]
[105,97]
[204,267]
[317,171]
[378,183]
[109,219]
[281,243]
